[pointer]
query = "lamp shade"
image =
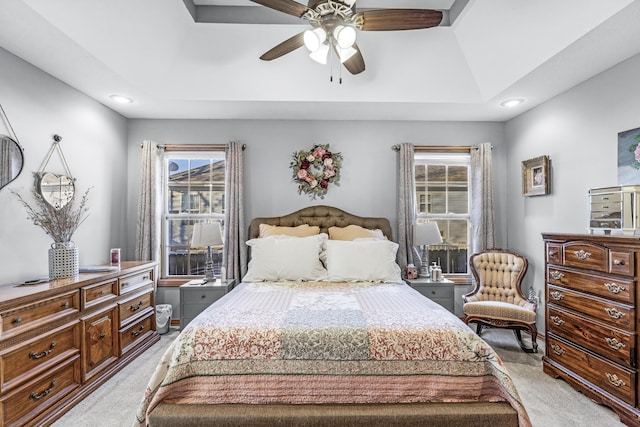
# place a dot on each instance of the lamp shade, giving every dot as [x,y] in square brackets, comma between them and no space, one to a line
[206,234]
[426,233]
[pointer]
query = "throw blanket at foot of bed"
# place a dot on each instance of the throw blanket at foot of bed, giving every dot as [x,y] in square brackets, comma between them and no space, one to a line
[326,343]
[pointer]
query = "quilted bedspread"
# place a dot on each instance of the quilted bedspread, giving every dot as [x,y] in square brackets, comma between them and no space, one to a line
[324,342]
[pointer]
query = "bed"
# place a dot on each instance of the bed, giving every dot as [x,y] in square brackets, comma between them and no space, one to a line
[323,332]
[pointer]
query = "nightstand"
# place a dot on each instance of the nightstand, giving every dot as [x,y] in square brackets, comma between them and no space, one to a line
[441,292]
[194,298]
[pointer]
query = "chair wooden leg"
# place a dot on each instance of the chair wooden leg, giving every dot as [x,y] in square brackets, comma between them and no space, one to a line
[534,344]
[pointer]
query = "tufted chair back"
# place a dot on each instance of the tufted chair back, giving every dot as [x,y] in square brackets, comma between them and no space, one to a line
[497,299]
[498,276]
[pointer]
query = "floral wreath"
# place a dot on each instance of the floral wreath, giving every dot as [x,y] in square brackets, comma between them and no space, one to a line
[314,170]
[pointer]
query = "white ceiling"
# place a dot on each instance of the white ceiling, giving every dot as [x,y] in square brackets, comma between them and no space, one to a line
[174,67]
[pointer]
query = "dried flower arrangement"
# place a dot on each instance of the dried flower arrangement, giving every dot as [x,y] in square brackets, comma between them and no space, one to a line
[60,223]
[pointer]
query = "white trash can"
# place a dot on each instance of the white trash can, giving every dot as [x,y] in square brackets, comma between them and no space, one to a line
[163,317]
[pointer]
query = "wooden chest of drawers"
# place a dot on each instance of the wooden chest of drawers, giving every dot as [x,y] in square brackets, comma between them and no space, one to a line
[61,340]
[592,316]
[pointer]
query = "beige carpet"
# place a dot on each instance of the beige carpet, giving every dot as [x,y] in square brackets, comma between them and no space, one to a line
[550,402]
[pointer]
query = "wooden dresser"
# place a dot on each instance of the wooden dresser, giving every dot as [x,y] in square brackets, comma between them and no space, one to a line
[592,317]
[60,340]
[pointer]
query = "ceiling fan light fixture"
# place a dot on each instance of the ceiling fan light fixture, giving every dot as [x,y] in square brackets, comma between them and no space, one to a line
[345,36]
[313,39]
[345,54]
[321,54]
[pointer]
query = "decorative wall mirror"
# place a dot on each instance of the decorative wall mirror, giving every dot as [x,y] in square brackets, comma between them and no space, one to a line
[56,190]
[11,157]
[11,160]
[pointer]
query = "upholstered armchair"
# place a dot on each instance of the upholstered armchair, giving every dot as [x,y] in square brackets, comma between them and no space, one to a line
[497,300]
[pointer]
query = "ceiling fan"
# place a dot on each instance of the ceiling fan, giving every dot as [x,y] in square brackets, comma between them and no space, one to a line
[335,23]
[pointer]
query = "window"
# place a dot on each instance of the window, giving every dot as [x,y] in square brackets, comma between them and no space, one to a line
[193,183]
[443,195]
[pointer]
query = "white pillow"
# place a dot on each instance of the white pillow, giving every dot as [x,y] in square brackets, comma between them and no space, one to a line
[278,258]
[362,260]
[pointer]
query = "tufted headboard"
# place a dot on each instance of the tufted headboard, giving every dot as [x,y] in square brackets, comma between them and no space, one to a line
[322,216]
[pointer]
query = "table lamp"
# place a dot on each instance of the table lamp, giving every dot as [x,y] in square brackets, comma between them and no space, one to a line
[425,234]
[207,234]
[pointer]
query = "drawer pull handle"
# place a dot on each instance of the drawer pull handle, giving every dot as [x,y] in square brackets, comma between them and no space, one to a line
[557,275]
[614,343]
[145,277]
[43,393]
[138,332]
[614,380]
[613,313]
[553,253]
[556,295]
[125,284]
[582,254]
[557,349]
[101,292]
[618,262]
[615,288]
[558,321]
[102,336]
[135,307]
[65,304]
[17,320]
[35,356]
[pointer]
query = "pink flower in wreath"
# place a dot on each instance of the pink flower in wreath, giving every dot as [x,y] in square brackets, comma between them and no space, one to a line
[319,152]
[329,172]
[327,155]
[305,164]
[313,183]
[324,183]
[302,174]
[637,153]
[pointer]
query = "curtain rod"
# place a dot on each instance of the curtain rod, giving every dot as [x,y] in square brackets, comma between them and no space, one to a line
[194,147]
[439,148]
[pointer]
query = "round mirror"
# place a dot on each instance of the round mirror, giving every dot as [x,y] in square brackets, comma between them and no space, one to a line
[11,160]
[57,190]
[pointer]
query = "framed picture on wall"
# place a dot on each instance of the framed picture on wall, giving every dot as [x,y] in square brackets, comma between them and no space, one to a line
[535,177]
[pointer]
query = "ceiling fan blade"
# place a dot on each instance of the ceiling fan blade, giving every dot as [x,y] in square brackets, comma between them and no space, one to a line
[285,47]
[399,19]
[355,64]
[287,6]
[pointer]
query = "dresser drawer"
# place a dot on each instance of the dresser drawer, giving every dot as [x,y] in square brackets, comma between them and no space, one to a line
[613,313]
[554,253]
[135,307]
[586,255]
[24,404]
[135,281]
[203,295]
[622,262]
[610,342]
[615,379]
[31,358]
[138,331]
[98,293]
[614,288]
[40,313]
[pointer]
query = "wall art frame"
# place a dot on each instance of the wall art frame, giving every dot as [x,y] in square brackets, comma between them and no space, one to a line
[536,177]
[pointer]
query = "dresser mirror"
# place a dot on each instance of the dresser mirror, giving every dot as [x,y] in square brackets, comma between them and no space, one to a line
[11,160]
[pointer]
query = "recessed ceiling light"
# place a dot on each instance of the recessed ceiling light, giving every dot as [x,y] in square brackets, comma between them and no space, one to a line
[121,99]
[510,103]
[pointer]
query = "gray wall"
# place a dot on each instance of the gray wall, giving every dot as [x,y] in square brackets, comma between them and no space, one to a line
[368,184]
[578,130]
[94,145]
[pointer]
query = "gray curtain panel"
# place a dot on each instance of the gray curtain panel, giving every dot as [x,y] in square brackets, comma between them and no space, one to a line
[149,211]
[406,207]
[482,216]
[235,250]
